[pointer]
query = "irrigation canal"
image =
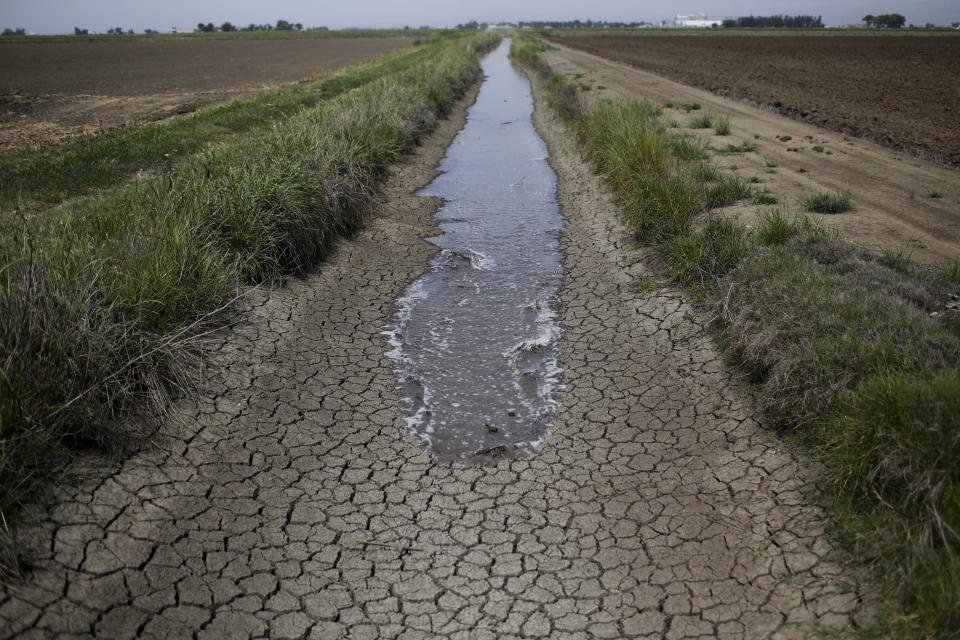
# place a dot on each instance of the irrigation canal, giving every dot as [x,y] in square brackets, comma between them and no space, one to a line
[475,338]
[288,500]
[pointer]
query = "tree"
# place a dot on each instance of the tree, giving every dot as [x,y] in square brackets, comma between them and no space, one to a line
[150,31]
[77,31]
[299,26]
[283,25]
[206,28]
[14,32]
[729,23]
[870,19]
[890,20]
[226,27]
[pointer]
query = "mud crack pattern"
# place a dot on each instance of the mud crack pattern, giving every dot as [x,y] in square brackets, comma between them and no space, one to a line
[292,503]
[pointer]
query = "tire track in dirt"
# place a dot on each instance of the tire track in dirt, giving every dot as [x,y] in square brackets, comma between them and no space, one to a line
[291,502]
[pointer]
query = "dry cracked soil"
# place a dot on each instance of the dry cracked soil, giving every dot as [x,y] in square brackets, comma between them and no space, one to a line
[289,500]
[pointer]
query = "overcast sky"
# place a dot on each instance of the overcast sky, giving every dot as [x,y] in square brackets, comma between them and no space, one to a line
[61,16]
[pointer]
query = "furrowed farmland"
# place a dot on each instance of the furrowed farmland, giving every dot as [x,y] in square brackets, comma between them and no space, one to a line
[896,90]
[53,91]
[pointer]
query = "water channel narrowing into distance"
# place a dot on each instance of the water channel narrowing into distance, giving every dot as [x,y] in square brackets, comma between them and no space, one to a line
[475,338]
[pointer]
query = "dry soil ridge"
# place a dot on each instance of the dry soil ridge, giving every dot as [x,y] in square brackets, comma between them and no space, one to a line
[293,503]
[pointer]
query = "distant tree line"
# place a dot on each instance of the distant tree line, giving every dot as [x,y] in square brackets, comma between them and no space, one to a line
[775,22]
[577,24]
[885,20]
[14,32]
[282,25]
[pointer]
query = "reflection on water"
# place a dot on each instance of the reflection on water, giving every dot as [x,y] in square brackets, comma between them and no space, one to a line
[475,338]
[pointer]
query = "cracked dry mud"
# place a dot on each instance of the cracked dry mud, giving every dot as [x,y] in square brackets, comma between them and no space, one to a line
[291,502]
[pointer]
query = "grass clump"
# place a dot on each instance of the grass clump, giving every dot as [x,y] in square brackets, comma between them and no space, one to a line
[764,196]
[727,190]
[776,227]
[721,125]
[704,121]
[102,299]
[828,202]
[704,257]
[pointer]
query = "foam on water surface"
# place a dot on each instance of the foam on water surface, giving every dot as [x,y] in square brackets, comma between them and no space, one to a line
[475,338]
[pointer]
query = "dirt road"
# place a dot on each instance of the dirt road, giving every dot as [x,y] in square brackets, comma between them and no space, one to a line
[903,204]
[292,502]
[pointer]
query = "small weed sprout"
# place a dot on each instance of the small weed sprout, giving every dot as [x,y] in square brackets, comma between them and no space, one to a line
[935,194]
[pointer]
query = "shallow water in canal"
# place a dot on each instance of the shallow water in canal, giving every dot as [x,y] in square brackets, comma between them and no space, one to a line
[475,338]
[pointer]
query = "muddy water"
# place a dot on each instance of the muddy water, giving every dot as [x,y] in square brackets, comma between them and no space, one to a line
[475,339]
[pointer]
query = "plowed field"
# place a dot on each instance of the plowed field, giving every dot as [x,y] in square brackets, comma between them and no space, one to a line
[899,91]
[53,91]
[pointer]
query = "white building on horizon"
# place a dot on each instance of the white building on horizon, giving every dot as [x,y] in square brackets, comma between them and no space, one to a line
[696,20]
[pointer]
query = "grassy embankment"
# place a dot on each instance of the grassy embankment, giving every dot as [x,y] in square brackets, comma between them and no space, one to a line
[102,298]
[852,353]
[38,177]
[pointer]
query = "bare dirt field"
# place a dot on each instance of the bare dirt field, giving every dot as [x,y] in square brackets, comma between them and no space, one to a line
[902,204]
[54,91]
[893,90]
